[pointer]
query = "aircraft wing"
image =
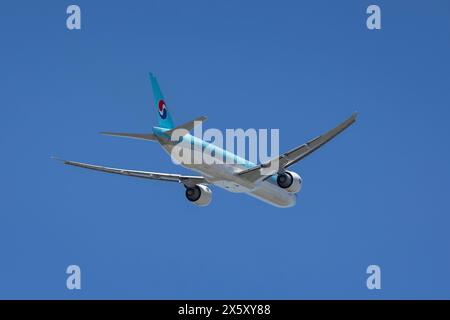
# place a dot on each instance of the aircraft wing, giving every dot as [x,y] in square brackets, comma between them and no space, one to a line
[186,180]
[293,156]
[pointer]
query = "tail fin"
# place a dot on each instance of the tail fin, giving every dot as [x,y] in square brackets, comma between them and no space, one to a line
[164,118]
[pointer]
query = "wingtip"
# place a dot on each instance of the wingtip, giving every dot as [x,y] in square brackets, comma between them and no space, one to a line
[57,158]
[107,133]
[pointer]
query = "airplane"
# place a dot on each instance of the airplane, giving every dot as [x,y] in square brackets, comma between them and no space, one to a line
[270,182]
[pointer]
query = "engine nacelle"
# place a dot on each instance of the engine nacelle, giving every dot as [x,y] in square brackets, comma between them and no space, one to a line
[199,194]
[290,181]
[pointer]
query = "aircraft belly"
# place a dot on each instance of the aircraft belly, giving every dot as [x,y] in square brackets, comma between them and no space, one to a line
[224,176]
[231,186]
[274,195]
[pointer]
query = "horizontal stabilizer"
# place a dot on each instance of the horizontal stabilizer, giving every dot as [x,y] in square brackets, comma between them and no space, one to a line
[188,126]
[140,136]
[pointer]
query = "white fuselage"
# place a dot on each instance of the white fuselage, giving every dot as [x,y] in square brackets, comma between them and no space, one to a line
[220,168]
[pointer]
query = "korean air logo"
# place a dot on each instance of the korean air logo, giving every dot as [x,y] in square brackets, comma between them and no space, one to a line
[162,109]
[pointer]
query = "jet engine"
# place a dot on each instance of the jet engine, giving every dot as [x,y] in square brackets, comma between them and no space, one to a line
[199,194]
[290,181]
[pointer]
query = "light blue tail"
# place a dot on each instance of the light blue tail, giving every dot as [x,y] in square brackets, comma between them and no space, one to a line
[164,118]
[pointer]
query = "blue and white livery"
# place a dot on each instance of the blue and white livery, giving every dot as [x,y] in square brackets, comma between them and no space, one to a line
[271,182]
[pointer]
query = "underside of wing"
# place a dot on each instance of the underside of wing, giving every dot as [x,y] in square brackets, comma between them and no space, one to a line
[186,180]
[293,156]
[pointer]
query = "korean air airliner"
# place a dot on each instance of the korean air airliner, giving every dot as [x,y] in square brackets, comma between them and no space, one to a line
[270,181]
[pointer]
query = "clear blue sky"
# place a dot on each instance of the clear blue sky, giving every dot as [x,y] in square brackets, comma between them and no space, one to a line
[378,194]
